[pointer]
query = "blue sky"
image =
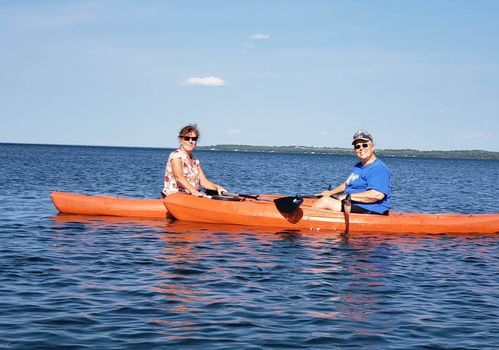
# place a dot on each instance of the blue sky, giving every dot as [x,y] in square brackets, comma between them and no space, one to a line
[417,74]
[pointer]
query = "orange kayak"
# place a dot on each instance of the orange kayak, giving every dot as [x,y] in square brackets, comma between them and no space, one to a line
[73,203]
[259,212]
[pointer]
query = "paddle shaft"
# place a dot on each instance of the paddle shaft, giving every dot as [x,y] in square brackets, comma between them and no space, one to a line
[240,195]
[251,196]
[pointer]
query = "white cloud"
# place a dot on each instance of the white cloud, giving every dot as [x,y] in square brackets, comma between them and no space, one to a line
[260,36]
[233,132]
[206,81]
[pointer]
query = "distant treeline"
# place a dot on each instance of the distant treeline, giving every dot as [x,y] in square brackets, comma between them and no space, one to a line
[458,154]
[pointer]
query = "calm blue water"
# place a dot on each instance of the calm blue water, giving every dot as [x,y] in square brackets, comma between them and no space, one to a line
[78,282]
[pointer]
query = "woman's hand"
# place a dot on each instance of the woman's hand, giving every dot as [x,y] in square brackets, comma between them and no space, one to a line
[220,189]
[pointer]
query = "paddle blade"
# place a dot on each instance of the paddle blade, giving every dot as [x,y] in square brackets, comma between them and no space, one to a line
[288,204]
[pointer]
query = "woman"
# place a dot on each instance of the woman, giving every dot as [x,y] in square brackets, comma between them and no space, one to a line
[368,189]
[183,171]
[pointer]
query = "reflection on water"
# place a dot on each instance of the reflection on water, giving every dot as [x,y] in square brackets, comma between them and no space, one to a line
[320,287]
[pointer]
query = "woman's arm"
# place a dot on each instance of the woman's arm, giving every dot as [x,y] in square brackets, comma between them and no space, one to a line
[208,184]
[178,173]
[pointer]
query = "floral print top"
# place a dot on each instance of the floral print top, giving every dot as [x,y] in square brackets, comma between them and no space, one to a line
[191,168]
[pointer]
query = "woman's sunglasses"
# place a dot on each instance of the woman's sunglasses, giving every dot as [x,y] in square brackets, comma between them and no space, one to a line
[364,145]
[189,138]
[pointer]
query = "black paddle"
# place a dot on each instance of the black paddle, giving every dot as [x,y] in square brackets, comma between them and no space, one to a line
[288,204]
[284,204]
[291,204]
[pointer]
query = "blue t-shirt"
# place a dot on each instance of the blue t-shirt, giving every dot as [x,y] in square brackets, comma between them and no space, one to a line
[374,176]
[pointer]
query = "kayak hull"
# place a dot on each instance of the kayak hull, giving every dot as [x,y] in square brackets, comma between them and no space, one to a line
[74,203]
[265,213]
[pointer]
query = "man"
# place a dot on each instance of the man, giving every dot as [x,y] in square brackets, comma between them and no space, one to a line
[368,189]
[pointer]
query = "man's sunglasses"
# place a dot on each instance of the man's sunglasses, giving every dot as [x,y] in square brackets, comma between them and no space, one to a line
[364,145]
[189,138]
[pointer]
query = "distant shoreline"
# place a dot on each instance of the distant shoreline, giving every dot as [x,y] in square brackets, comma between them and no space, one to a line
[407,153]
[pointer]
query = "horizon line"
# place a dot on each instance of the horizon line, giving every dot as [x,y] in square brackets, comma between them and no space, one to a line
[244,145]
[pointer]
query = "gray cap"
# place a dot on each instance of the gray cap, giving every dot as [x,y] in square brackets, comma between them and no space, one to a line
[362,135]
